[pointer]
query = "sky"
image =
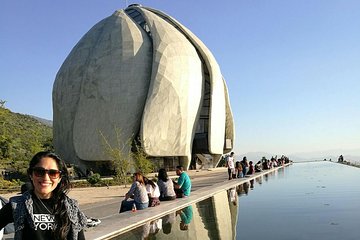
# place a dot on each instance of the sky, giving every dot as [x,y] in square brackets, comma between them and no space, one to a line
[291,66]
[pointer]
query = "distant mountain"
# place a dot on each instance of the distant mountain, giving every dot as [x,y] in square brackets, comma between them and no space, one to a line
[333,154]
[43,120]
[255,156]
[351,155]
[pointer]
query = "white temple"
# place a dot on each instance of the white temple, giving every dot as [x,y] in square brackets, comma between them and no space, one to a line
[143,72]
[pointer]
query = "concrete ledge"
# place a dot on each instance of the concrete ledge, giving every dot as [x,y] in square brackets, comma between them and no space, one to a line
[117,224]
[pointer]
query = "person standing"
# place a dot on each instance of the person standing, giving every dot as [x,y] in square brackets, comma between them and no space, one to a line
[230,165]
[183,185]
[45,212]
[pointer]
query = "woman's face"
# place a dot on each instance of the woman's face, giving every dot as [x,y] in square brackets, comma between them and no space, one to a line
[45,181]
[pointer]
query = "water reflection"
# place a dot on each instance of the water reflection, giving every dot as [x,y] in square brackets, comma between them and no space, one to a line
[233,196]
[266,176]
[150,229]
[309,198]
[246,187]
[208,219]
[252,184]
[167,222]
[259,180]
[213,218]
[186,215]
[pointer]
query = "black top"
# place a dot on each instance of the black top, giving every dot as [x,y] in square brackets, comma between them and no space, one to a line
[43,220]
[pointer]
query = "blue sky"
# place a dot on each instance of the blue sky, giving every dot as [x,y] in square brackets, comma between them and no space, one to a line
[291,66]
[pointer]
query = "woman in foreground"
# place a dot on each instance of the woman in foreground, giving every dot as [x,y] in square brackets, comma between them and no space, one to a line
[46,212]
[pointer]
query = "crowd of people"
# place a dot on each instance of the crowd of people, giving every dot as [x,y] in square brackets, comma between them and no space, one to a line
[240,169]
[146,193]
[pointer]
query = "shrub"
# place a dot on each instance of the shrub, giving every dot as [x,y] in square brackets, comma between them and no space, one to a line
[142,162]
[119,154]
[94,179]
[8,186]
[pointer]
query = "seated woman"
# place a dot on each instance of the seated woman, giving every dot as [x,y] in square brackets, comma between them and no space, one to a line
[258,167]
[138,193]
[245,166]
[239,170]
[166,186]
[153,192]
[251,168]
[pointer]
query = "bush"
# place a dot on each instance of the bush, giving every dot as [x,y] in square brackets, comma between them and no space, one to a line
[9,186]
[119,155]
[142,162]
[94,179]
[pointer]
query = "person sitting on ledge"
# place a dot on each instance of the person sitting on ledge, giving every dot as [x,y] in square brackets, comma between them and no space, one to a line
[183,186]
[138,193]
[258,167]
[251,168]
[153,192]
[166,186]
[239,170]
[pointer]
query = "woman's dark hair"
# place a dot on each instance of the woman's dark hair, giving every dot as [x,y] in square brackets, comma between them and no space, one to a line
[58,194]
[148,181]
[163,175]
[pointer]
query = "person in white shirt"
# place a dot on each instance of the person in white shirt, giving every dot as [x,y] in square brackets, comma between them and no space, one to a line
[153,192]
[230,165]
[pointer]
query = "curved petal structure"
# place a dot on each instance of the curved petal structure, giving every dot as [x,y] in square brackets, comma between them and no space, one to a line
[142,72]
[217,99]
[175,92]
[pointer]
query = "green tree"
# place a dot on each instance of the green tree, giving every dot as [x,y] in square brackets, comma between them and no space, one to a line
[94,179]
[48,144]
[2,103]
[142,162]
[119,154]
[21,136]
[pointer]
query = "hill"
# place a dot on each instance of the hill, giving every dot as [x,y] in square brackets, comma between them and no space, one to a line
[42,120]
[256,156]
[21,136]
[351,155]
[333,154]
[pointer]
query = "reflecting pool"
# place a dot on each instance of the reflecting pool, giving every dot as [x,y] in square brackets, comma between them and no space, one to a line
[318,200]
